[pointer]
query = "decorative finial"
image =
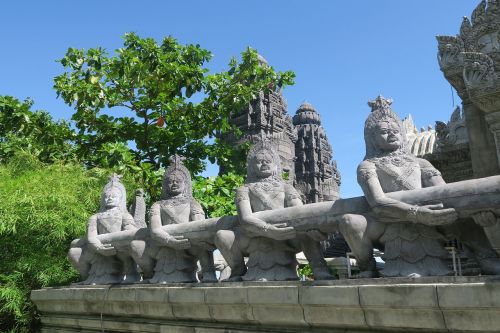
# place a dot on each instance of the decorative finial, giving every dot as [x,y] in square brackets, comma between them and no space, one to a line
[115,178]
[176,161]
[380,103]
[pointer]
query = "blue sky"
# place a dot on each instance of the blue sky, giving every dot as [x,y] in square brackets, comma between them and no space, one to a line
[343,52]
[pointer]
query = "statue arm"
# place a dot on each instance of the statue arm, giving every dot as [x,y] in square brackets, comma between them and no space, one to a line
[128,222]
[395,210]
[378,201]
[249,223]
[430,175]
[196,213]
[92,239]
[163,237]
[157,232]
[256,226]
[292,197]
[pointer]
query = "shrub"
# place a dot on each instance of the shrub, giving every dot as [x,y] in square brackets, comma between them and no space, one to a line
[43,208]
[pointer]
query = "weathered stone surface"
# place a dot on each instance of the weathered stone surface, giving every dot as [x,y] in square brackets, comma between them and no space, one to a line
[449,304]
[470,62]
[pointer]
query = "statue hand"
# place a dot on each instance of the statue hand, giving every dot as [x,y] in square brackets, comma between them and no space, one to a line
[279,231]
[485,218]
[435,215]
[317,235]
[177,242]
[106,250]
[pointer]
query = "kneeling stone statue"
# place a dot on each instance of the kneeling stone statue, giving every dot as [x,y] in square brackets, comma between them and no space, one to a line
[100,263]
[174,258]
[411,236]
[270,248]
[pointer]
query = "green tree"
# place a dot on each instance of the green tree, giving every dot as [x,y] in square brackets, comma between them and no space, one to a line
[216,194]
[158,99]
[44,207]
[22,129]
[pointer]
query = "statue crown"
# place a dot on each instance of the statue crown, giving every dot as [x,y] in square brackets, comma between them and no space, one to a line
[380,104]
[177,161]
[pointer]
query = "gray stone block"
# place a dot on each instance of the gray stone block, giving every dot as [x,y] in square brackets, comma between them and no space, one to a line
[473,320]
[398,296]
[326,295]
[186,295]
[226,295]
[232,313]
[469,295]
[273,295]
[328,316]
[427,320]
[280,315]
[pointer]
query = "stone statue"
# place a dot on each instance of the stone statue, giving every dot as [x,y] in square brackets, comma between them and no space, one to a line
[138,209]
[412,236]
[103,263]
[270,248]
[175,257]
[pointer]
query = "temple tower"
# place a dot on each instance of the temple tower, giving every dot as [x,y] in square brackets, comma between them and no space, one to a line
[267,116]
[316,176]
[470,61]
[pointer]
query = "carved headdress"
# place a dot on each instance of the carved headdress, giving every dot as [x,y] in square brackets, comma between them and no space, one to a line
[114,183]
[381,112]
[177,167]
[263,146]
[485,19]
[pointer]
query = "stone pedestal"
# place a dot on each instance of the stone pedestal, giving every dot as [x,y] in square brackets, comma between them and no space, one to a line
[451,304]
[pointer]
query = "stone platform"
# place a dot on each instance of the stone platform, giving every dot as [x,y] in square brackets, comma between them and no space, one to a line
[450,304]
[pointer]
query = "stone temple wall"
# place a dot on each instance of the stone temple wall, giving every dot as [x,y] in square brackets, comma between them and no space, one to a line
[446,146]
[431,305]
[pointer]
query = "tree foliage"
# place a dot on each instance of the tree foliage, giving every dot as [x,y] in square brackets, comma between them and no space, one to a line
[158,97]
[216,194]
[32,131]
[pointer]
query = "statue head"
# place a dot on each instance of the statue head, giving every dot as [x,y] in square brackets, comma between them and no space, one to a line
[114,194]
[263,162]
[177,179]
[384,132]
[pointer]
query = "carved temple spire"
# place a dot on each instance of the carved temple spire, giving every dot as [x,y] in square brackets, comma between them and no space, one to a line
[317,177]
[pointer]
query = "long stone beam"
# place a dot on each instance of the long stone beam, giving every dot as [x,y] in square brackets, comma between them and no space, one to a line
[466,197]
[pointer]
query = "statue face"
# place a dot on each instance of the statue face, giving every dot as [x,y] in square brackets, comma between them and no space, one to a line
[263,165]
[489,43]
[112,198]
[387,136]
[175,184]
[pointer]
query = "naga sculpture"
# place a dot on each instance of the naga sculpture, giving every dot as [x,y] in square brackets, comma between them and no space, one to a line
[175,257]
[412,236]
[103,263]
[270,248]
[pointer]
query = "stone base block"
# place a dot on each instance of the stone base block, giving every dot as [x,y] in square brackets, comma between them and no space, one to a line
[450,304]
